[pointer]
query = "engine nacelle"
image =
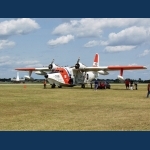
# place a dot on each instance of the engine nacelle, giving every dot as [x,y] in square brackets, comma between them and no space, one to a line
[120,78]
[28,78]
[102,72]
[52,66]
[79,66]
[46,76]
[40,73]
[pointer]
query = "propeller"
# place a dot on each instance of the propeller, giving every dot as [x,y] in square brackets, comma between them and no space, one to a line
[51,65]
[77,65]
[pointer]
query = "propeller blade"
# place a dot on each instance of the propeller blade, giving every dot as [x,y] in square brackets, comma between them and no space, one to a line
[78,60]
[77,65]
[50,66]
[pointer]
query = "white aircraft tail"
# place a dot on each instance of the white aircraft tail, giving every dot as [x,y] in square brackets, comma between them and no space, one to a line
[17,76]
[96,60]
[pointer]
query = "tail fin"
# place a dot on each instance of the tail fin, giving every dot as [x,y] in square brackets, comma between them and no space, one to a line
[17,76]
[96,60]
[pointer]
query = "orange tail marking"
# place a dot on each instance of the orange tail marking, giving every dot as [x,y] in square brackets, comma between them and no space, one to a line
[96,60]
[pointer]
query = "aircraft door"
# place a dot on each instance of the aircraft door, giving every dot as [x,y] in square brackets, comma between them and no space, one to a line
[86,77]
[72,80]
[79,77]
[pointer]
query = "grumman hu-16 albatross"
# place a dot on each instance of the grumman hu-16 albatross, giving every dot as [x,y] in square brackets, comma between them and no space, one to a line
[78,74]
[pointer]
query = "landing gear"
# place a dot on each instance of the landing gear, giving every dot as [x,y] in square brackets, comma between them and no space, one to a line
[53,85]
[59,86]
[83,86]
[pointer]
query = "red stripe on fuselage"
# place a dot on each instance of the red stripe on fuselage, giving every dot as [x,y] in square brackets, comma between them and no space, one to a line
[64,74]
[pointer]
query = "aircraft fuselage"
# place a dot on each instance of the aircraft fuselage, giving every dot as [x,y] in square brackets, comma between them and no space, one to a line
[66,77]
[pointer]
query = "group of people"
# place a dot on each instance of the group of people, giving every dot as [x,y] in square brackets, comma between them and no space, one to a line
[130,85]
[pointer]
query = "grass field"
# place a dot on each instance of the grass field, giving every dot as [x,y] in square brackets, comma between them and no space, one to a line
[73,109]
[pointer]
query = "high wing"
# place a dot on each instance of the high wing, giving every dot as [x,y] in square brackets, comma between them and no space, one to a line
[33,69]
[81,67]
[103,70]
[110,68]
[38,71]
[113,68]
[50,67]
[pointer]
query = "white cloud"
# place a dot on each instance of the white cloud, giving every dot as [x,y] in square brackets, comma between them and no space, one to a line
[91,44]
[17,27]
[6,44]
[118,48]
[13,63]
[127,39]
[146,52]
[129,36]
[61,40]
[93,27]
[4,58]
[6,61]
[134,64]
[29,63]
[95,43]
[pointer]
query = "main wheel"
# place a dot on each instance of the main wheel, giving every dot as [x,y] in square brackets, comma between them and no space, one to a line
[83,86]
[53,85]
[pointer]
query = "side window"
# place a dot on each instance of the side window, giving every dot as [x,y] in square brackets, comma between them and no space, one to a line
[87,76]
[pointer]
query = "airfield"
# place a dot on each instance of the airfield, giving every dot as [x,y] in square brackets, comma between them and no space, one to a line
[29,107]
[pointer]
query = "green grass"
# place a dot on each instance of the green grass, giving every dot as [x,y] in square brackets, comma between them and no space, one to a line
[34,108]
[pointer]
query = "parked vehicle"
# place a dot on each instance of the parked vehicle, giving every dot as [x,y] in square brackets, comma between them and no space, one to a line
[104,85]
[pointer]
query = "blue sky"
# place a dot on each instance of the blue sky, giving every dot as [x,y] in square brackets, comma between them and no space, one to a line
[35,42]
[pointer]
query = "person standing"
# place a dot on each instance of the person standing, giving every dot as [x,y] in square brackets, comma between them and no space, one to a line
[131,85]
[91,84]
[148,90]
[44,84]
[96,84]
[135,85]
[127,83]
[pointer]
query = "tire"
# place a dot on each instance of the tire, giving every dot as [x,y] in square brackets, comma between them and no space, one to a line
[83,86]
[53,86]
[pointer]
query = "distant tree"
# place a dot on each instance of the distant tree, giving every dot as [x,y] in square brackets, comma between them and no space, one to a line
[116,80]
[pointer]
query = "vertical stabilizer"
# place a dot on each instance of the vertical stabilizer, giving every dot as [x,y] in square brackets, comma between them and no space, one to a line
[17,76]
[96,60]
